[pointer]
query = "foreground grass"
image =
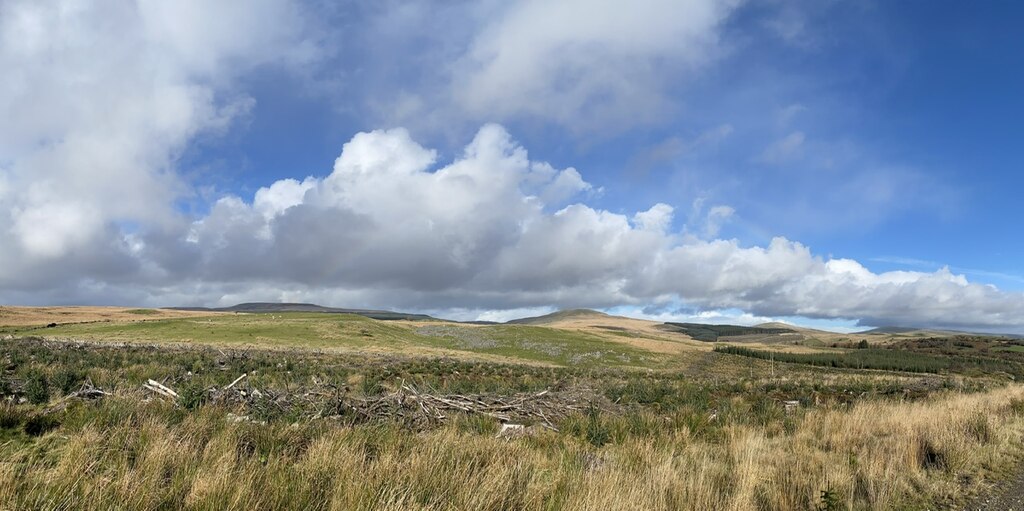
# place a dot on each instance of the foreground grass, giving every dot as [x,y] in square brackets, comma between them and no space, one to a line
[877,455]
[653,440]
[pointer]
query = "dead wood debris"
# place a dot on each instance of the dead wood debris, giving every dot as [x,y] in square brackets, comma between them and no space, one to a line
[88,391]
[408,404]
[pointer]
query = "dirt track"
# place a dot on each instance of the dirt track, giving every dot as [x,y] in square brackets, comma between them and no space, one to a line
[1008,496]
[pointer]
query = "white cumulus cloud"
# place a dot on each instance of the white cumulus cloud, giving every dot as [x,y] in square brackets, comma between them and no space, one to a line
[98,100]
[391,227]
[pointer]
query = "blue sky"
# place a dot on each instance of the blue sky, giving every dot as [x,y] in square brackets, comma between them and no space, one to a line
[930,89]
[785,140]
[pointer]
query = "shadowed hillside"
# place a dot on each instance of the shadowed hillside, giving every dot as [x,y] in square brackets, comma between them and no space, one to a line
[712,333]
[555,317]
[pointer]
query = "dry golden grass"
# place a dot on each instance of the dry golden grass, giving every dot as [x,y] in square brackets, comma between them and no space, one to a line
[41,316]
[638,333]
[877,455]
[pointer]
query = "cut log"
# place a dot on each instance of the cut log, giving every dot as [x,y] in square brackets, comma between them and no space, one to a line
[236,381]
[159,388]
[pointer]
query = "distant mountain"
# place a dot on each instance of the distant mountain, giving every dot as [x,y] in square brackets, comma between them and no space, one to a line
[784,326]
[555,317]
[890,330]
[267,307]
[928,332]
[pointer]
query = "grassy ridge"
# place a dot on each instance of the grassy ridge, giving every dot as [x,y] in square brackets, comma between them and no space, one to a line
[347,331]
[278,330]
[562,347]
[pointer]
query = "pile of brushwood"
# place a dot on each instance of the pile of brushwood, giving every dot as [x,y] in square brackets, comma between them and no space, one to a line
[408,405]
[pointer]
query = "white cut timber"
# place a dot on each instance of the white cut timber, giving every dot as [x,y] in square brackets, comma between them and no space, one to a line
[236,381]
[159,388]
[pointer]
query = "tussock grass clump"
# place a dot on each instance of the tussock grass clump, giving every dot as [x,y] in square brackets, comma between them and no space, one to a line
[11,416]
[37,388]
[143,312]
[67,380]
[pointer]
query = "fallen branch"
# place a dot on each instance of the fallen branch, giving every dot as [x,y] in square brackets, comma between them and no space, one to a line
[88,391]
